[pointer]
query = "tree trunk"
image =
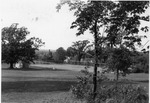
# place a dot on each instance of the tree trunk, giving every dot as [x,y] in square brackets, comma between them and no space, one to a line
[11,66]
[96,62]
[117,74]
[79,57]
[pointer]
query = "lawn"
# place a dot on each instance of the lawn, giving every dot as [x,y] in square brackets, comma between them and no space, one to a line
[43,83]
[37,85]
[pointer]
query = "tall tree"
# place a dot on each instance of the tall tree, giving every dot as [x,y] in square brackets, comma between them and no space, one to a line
[79,48]
[90,16]
[115,16]
[124,25]
[16,47]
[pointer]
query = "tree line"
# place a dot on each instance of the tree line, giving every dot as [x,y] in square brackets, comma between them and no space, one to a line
[15,48]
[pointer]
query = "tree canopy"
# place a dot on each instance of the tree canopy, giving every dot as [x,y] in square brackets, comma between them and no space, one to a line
[121,19]
[80,48]
[16,47]
[124,23]
[60,55]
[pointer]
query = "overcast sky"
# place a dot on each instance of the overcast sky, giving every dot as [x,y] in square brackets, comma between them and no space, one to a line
[43,21]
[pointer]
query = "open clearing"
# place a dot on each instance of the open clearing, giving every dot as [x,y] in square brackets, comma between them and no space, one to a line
[42,83]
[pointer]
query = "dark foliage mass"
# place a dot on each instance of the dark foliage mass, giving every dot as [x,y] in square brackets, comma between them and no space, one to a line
[120,61]
[15,45]
[60,55]
[78,49]
[141,63]
[114,92]
[44,55]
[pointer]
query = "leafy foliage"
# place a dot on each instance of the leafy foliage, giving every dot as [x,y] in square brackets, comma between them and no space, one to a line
[84,87]
[125,21]
[122,93]
[60,55]
[16,47]
[45,56]
[120,61]
[113,93]
[141,63]
[79,48]
[122,23]
[70,52]
[88,13]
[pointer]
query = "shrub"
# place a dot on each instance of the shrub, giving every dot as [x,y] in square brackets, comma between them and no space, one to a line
[141,64]
[122,93]
[84,87]
[117,92]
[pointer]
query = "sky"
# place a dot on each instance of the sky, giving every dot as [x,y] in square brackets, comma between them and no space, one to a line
[43,21]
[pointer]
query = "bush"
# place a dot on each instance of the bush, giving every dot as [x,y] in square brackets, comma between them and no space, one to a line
[122,93]
[112,93]
[140,68]
[84,87]
[141,64]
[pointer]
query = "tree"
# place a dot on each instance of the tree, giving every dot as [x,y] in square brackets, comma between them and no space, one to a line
[60,55]
[42,55]
[80,48]
[119,61]
[122,32]
[70,52]
[115,16]
[90,16]
[48,56]
[16,47]
[124,23]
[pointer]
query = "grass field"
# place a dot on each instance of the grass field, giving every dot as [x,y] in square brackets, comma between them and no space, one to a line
[41,83]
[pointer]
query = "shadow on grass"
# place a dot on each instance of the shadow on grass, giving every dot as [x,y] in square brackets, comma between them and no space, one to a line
[37,86]
[142,81]
[46,86]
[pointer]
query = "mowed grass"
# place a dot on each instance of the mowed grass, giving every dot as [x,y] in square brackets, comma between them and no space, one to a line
[37,85]
[44,83]
[37,80]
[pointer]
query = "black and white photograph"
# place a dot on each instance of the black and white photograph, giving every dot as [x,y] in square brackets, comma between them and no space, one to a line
[75,51]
